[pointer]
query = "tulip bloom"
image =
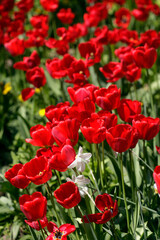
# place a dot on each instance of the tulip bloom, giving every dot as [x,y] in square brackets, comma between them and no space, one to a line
[36,77]
[129,109]
[67,129]
[62,157]
[122,137]
[33,206]
[67,195]
[27,93]
[60,233]
[82,110]
[66,16]
[123,17]
[37,170]
[147,127]
[156,176]
[41,136]
[108,208]
[16,178]
[15,46]
[28,62]
[144,57]
[57,112]
[50,6]
[108,99]
[112,71]
[94,129]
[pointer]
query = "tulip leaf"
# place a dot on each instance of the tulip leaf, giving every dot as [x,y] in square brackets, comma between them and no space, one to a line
[33,234]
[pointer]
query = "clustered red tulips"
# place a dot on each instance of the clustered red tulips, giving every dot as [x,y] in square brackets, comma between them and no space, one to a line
[99,114]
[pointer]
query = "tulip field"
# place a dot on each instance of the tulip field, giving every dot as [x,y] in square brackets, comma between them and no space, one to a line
[80,119]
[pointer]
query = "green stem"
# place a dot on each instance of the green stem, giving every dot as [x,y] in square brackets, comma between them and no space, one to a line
[113,230]
[150,92]
[123,188]
[27,191]
[103,160]
[133,180]
[139,200]
[135,90]
[58,177]
[45,231]
[62,89]
[41,230]
[142,161]
[81,215]
[99,164]
[52,201]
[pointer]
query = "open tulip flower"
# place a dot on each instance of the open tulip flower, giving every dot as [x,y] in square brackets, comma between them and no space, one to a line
[79,125]
[60,233]
[108,209]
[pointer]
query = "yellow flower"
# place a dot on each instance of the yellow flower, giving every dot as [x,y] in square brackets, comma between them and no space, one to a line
[7,88]
[42,112]
[37,90]
[20,98]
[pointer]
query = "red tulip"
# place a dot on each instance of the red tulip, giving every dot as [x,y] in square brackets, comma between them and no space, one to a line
[37,170]
[144,57]
[33,206]
[91,51]
[60,233]
[108,99]
[50,6]
[67,129]
[28,62]
[27,93]
[36,77]
[15,46]
[66,16]
[62,157]
[57,112]
[41,136]
[108,208]
[112,71]
[122,137]
[123,17]
[67,195]
[156,176]
[94,129]
[35,224]
[128,109]
[16,178]
[147,127]
[82,110]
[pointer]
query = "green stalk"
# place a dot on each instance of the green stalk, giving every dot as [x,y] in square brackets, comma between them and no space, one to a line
[62,89]
[81,215]
[52,201]
[113,230]
[58,177]
[150,92]
[99,164]
[133,179]
[27,191]
[123,188]
[104,169]
[41,230]
[135,90]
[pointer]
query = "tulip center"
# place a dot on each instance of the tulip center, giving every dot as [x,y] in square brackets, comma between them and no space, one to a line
[108,209]
[124,19]
[91,56]
[58,235]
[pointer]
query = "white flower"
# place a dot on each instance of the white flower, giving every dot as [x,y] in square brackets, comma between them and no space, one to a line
[81,182]
[156,190]
[81,160]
